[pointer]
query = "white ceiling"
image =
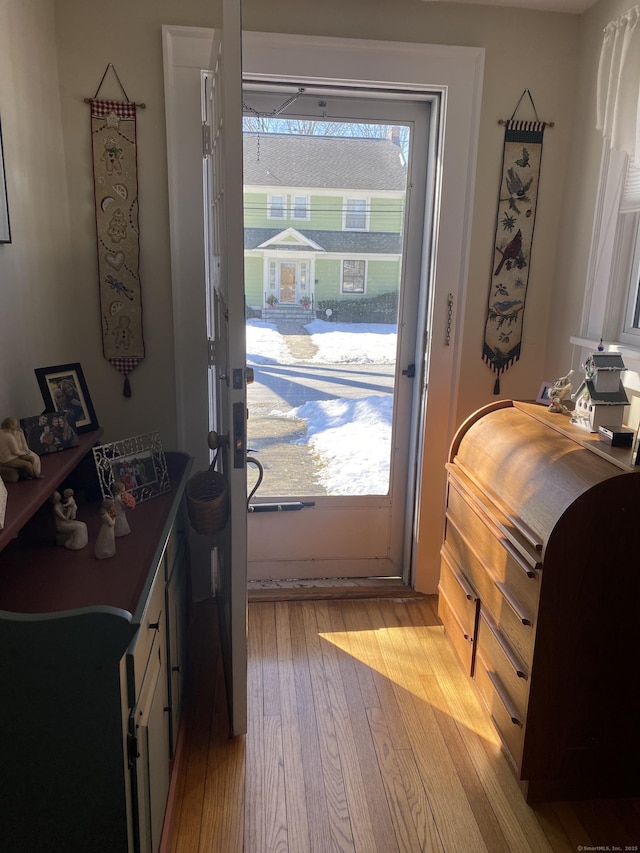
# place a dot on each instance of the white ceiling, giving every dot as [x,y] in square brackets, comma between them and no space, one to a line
[575,7]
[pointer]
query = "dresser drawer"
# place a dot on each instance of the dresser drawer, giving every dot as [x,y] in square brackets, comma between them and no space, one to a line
[503,663]
[501,599]
[460,636]
[460,594]
[151,625]
[506,719]
[481,547]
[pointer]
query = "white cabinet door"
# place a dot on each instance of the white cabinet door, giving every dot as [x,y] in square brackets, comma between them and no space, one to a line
[151,729]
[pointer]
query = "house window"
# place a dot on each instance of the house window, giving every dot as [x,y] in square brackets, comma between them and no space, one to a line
[276,209]
[354,276]
[612,304]
[355,214]
[300,207]
[630,216]
[272,275]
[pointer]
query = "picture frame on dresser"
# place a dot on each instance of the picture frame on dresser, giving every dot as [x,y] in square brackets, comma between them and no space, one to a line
[137,462]
[5,228]
[543,394]
[64,389]
[48,433]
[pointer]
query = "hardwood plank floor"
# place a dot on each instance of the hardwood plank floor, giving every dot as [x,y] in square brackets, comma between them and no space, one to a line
[364,735]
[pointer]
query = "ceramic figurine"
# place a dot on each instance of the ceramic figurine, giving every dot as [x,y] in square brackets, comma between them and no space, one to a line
[560,389]
[14,451]
[106,541]
[69,532]
[122,524]
[69,504]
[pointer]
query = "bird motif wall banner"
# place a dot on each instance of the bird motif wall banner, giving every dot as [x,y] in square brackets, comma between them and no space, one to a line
[115,173]
[515,222]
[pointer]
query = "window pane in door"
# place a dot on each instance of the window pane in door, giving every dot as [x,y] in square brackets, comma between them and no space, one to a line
[322,298]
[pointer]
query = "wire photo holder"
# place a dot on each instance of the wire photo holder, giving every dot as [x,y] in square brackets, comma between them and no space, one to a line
[137,462]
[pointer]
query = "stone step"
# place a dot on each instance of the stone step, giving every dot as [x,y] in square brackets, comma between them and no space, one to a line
[287,312]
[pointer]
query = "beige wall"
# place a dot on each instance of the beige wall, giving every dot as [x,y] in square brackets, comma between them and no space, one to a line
[38,290]
[52,55]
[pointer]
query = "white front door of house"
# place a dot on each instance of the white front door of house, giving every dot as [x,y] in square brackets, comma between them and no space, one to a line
[227,379]
[336,430]
[287,282]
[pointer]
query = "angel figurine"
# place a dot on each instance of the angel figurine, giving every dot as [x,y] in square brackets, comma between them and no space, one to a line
[106,541]
[122,500]
[560,389]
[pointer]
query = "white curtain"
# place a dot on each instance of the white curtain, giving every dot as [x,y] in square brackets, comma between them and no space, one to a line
[619,84]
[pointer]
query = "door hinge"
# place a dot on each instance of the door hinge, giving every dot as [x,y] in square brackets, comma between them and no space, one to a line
[206,140]
[211,352]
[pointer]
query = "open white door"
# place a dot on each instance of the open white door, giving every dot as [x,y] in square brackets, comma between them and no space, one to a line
[225,277]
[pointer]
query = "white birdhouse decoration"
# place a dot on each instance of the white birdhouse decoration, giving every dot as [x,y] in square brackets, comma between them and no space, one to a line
[601,398]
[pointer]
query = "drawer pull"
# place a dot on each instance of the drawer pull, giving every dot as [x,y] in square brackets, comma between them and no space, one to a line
[515,606]
[497,686]
[154,626]
[513,660]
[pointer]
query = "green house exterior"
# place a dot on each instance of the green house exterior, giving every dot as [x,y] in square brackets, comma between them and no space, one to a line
[331,229]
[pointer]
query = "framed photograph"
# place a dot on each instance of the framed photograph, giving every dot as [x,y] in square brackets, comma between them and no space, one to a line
[48,433]
[543,394]
[5,230]
[138,463]
[64,389]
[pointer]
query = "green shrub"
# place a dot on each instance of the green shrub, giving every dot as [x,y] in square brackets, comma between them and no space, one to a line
[382,308]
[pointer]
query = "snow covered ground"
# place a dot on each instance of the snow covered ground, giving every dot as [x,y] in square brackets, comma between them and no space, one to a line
[352,437]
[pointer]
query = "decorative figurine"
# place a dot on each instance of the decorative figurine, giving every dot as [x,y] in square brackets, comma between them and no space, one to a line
[69,504]
[121,500]
[15,453]
[560,389]
[106,541]
[69,532]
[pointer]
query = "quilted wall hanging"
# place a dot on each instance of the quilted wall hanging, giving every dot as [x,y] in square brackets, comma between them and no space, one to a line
[515,222]
[115,181]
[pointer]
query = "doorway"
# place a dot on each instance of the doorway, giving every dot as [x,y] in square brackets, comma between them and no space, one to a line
[339,178]
[453,71]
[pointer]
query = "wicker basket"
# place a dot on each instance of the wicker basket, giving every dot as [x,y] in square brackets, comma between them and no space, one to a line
[208,501]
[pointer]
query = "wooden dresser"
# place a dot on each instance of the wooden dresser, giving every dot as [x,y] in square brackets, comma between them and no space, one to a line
[92,659]
[540,596]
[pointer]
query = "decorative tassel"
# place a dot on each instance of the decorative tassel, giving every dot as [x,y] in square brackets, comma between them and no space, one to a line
[496,387]
[127,387]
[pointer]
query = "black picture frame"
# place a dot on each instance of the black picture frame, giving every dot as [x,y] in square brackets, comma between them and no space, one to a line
[64,389]
[5,227]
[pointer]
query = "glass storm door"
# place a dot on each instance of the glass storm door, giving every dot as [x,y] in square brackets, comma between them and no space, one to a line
[334,407]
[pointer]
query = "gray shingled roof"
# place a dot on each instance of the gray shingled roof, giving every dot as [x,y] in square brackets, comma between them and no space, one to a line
[378,243]
[603,398]
[322,162]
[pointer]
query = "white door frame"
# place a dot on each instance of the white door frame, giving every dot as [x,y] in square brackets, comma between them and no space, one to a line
[457,73]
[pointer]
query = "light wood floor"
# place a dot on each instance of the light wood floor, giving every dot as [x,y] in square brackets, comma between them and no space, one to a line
[364,735]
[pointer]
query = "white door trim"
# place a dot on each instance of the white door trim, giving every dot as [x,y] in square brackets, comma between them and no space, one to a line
[454,71]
